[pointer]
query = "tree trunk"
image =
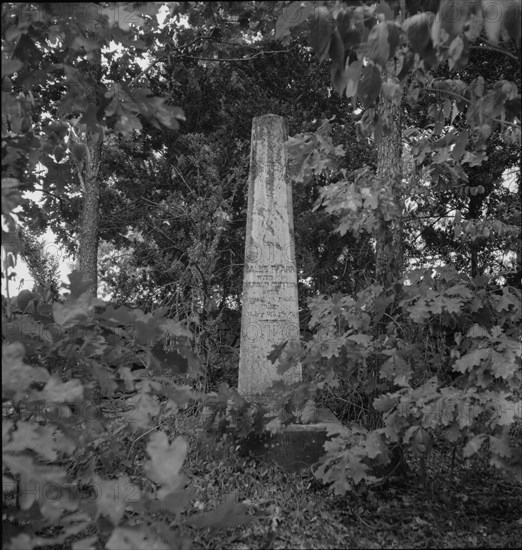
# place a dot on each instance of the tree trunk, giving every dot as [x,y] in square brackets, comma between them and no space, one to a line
[389,239]
[90,214]
[515,279]
[389,266]
[91,192]
[474,271]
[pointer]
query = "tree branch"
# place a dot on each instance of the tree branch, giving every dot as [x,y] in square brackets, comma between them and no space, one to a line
[231,43]
[430,225]
[229,59]
[164,55]
[198,39]
[491,46]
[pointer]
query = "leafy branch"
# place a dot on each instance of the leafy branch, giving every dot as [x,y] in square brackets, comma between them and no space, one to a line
[469,102]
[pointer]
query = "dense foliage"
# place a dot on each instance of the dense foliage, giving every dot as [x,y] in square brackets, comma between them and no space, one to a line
[432,356]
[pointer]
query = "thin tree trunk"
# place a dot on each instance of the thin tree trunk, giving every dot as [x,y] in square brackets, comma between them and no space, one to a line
[389,254]
[389,238]
[389,262]
[90,215]
[91,198]
[516,278]
[474,270]
[388,229]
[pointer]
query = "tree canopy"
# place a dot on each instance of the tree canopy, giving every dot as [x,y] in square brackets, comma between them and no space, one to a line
[132,121]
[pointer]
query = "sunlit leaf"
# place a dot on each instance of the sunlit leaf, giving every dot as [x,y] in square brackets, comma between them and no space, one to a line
[352,75]
[228,514]
[385,403]
[113,496]
[418,31]
[39,439]
[56,391]
[499,446]
[140,409]
[16,375]
[378,44]
[472,359]
[166,459]
[135,538]
[493,11]
[453,15]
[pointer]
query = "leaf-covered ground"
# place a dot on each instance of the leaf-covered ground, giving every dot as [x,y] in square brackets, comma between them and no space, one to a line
[478,508]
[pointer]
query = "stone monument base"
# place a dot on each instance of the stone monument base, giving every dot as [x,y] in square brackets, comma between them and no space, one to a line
[296,448]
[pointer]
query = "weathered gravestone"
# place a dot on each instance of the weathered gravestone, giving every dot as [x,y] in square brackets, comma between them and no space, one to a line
[270,307]
[270,313]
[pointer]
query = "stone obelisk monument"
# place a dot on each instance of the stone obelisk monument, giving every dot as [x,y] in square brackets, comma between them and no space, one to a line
[270,309]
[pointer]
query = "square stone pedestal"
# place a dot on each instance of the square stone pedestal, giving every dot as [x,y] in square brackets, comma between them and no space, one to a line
[296,448]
